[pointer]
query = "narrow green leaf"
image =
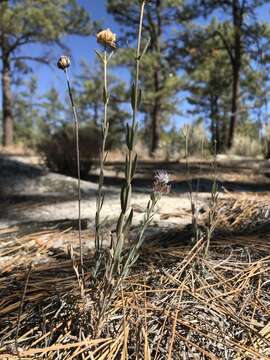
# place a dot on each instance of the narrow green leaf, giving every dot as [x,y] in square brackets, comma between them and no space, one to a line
[119,225]
[128,223]
[146,47]
[123,198]
[126,167]
[133,136]
[105,95]
[139,98]
[129,138]
[102,201]
[100,56]
[134,164]
[110,56]
[127,135]
[133,96]
[128,197]
[131,141]
[214,188]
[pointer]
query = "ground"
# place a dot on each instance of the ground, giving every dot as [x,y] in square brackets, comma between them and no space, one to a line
[178,303]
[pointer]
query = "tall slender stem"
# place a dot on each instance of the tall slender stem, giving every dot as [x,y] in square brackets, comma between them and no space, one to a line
[131,157]
[78,169]
[190,189]
[105,128]
[138,60]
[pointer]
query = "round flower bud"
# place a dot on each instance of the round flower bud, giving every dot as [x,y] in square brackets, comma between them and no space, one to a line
[107,38]
[63,62]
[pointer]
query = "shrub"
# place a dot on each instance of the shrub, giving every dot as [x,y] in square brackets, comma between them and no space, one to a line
[266,142]
[244,145]
[59,149]
[197,137]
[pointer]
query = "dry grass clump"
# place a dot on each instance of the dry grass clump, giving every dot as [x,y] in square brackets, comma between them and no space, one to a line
[16,149]
[242,215]
[175,305]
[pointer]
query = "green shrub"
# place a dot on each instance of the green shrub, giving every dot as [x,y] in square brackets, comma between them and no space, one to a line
[59,149]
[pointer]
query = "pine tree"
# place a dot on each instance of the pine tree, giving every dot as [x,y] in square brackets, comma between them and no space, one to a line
[210,75]
[208,80]
[159,65]
[52,114]
[28,22]
[243,36]
[26,113]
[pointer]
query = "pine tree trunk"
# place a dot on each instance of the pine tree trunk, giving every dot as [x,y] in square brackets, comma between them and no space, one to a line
[156,115]
[213,120]
[217,127]
[234,106]
[236,68]
[218,145]
[215,124]
[157,111]
[7,104]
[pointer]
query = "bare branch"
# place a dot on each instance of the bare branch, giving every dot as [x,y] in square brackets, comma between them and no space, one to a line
[39,59]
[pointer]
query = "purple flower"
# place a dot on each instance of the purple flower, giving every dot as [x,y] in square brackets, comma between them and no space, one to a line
[161,182]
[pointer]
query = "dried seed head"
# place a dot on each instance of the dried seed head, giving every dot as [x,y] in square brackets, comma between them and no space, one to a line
[161,182]
[107,38]
[63,62]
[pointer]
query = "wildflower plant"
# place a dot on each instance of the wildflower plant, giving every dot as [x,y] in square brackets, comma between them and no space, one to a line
[107,39]
[212,212]
[198,235]
[112,283]
[126,215]
[193,202]
[63,64]
[118,261]
[161,187]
